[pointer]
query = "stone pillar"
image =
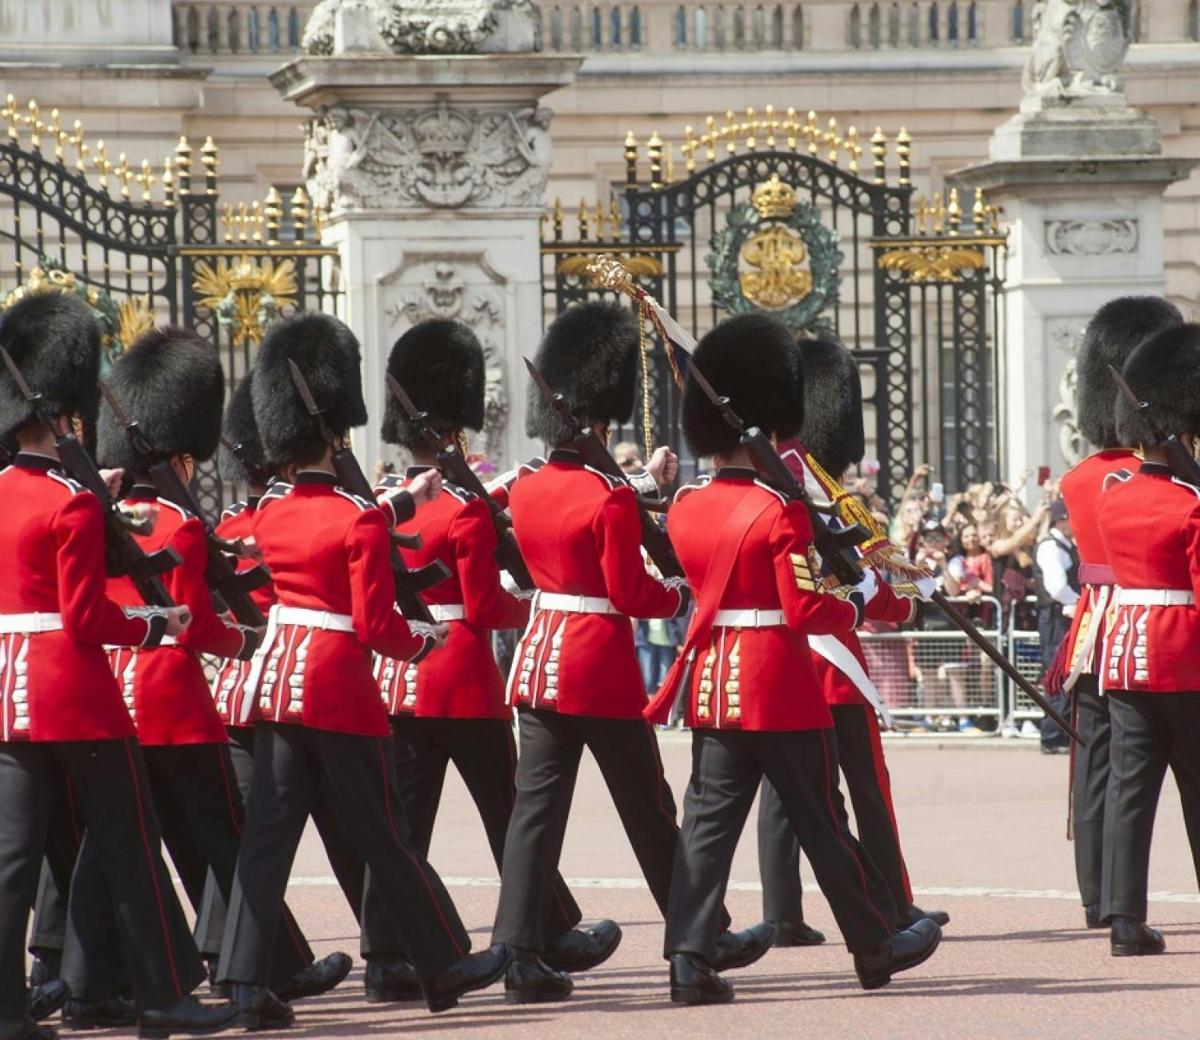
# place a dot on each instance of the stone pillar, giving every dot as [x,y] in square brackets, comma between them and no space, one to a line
[1080,175]
[432,167]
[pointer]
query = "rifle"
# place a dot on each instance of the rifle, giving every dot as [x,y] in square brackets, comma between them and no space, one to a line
[774,470]
[595,454]
[123,555]
[350,475]
[1181,461]
[457,470]
[258,475]
[231,589]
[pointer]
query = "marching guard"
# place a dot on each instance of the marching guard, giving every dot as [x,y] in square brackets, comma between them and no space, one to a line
[1110,337]
[64,731]
[1150,526]
[450,706]
[752,696]
[312,694]
[832,433]
[575,678]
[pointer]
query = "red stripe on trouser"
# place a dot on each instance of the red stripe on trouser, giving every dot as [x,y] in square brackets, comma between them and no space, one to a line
[837,825]
[885,789]
[162,910]
[387,803]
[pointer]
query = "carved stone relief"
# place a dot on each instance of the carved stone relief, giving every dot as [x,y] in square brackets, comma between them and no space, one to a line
[1078,45]
[1065,336]
[461,287]
[1098,237]
[445,156]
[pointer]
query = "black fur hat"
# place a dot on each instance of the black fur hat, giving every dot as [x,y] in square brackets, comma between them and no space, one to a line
[55,342]
[833,417]
[242,431]
[440,366]
[327,354]
[1111,336]
[589,355]
[751,359]
[1165,373]
[170,382]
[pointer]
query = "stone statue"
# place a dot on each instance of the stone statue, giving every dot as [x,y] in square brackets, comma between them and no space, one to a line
[1078,45]
[435,26]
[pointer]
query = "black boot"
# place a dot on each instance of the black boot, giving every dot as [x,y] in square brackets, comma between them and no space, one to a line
[476,971]
[319,977]
[584,948]
[1132,938]
[26,1029]
[188,1017]
[47,965]
[113,1013]
[1091,916]
[529,980]
[391,980]
[694,982]
[904,949]
[46,999]
[915,914]
[741,949]
[796,933]
[258,1008]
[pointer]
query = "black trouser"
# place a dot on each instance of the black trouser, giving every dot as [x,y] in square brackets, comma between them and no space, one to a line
[485,755]
[106,781]
[199,806]
[49,932]
[1150,731]
[802,766]
[1089,783]
[860,756]
[551,747]
[290,765]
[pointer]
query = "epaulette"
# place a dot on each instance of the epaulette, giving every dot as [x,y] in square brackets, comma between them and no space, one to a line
[613,482]
[527,467]
[389,481]
[362,503]
[1117,476]
[69,483]
[701,481]
[279,489]
[184,514]
[231,511]
[459,492]
[774,491]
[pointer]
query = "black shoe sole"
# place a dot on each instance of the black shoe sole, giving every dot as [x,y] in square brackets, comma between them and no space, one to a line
[332,983]
[586,964]
[1136,950]
[880,980]
[448,1002]
[789,942]
[537,996]
[83,1025]
[254,1022]
[693,996]
[407,995]
[162,1032]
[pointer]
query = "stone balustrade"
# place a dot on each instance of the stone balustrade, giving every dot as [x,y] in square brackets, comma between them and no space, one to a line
[239,28]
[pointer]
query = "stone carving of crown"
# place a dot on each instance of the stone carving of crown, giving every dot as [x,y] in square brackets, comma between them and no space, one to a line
[773,199]
[442,130]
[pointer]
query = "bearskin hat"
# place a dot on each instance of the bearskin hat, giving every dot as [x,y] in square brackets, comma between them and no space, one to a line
[171,384]
[327,354]
[752,360]
[1164,372]
[833,418]
[439,364]
[241,431]
[55,342]
[589,355]
[1111,336]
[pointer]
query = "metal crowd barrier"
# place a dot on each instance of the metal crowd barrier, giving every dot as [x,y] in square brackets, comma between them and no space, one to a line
[1025,652]
[936,677]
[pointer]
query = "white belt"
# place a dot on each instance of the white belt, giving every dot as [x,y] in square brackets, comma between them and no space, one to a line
[30,623]
[448,611]
[568,604]
[1154,597]
[311,619]
[748,619]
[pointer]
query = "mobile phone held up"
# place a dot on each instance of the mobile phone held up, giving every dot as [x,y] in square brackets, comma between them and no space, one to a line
[1043,475]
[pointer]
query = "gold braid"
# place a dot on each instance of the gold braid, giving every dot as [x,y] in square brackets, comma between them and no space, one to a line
[644,346]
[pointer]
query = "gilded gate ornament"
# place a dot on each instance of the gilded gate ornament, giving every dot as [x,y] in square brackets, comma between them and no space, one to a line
[247,295]
[758,259]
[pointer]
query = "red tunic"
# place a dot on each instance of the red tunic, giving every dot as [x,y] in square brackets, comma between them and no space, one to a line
[57,685]
[328,550]
[838,687]
[230,684]
[1150,526]
[1081,488]
[165,688]
[461,681]
[756,678]
[580,533]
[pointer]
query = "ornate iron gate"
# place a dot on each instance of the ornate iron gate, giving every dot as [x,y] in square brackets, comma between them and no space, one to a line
[152,243]
[771,212]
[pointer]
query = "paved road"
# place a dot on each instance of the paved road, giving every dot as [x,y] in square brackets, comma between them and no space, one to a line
[983,829]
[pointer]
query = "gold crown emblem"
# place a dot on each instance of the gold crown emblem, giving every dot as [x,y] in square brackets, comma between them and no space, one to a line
[774,200]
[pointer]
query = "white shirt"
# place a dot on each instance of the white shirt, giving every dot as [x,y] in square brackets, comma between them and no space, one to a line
[1054,559]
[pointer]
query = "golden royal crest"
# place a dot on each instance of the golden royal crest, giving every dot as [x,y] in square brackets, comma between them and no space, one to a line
[777,279]
[245,294]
